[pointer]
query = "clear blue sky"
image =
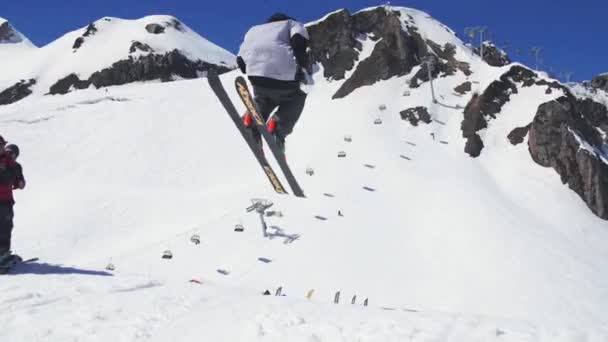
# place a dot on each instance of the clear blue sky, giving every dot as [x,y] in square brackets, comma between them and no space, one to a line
[573,33]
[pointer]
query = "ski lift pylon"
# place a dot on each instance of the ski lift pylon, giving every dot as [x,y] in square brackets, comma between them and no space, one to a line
[378,121]
[239,228]
[341,154]
[167,254]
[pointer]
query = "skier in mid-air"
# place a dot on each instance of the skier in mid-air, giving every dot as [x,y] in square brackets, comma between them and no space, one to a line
[11,178]
[274,57]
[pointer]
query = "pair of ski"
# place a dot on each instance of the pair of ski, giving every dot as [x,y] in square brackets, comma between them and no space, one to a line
[245,95]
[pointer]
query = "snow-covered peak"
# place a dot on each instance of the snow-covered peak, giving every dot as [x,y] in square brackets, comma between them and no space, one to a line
[103,43]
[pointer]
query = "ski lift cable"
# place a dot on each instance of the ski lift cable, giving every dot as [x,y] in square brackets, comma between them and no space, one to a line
[167,240]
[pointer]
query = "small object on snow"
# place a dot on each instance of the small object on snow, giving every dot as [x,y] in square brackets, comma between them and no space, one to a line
[265,260]
[365,302]
[337,298]
[409,310]
[410,143]
[195,239]
[348,138]
[340,213]
[196,281]
[382,107]
[310,171]
[224,272]
[328,195]
[444,142]
[369,189]
[433,135]
[341,154]
[439,122]
[378,121]
[266,293]
[239,228]
[405,157]
[388,309]
[369,166]
[354,300]
[274,213]
[499,333]
[310,293]
[321,218]
[110,267]
[407,93]
[279,291]
[167,254]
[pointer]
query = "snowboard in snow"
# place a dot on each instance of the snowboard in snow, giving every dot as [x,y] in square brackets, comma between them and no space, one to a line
[220,92]
[243,90]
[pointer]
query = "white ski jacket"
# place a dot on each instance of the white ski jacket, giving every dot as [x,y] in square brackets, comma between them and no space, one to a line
[267,52]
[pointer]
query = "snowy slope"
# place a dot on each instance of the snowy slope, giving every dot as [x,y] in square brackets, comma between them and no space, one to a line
[110,42]
[457,249]
[13,46]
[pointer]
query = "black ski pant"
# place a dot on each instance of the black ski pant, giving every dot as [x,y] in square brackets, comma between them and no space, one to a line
[6,226]
[290,102]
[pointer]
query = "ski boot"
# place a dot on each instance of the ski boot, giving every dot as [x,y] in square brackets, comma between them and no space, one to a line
[271,126]
[255,135]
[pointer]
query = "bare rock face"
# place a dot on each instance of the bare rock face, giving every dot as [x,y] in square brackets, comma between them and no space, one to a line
[518,135]
[16,92]
[159,28]
[334,44]
[89,31]
[444,64]
[565,135]
[155,28]
[135,46]
[600,82]
[8,34]
[463,88]
[493,55]
[415,115]
[485,107]
[145,68]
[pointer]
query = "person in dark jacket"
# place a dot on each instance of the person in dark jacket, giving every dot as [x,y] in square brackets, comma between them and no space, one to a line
[274,57]
[11,178]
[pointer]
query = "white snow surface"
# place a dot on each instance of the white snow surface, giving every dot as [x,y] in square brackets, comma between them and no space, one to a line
[447,247]
[108,45]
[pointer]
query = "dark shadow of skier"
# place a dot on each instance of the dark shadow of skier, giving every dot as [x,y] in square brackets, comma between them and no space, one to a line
[280,233]
[46,269]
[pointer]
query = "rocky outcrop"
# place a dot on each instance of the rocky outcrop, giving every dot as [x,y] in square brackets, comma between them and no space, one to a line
[335,43]
[155,28]
[485,107]
[463,88]
[16,92]
[89,31]
[600,82]
[518,135]
[8,34]
[443,63]
[415,115]
[144,68]
[566,136]
[493,55]
[135,46]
